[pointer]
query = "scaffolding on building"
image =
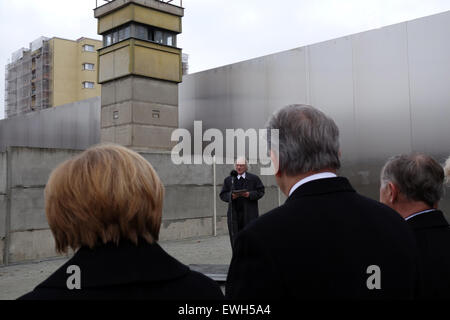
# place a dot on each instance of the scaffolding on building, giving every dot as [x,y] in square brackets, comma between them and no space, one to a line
[28,79]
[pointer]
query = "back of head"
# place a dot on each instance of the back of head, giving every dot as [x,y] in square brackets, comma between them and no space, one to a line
[447,170]
[418,176]
[107,193]
[308,140]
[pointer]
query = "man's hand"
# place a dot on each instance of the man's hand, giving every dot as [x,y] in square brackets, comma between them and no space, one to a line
[241,194]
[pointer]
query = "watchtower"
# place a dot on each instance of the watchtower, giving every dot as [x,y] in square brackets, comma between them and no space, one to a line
[139,69]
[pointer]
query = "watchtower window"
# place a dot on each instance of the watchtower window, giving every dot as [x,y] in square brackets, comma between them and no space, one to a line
[159,36]
[141,32]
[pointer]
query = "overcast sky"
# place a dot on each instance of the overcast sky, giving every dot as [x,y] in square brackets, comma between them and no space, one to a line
[216,32]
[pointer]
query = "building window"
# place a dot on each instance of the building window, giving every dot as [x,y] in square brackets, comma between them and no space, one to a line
[159,36]
[115,37]
[168,39]
[141,32]
[107,40]
[88,85]
[151,34]
[88,66]
[89,48]
[124,33]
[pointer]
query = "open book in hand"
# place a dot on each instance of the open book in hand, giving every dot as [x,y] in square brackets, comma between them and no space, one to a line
[239,192]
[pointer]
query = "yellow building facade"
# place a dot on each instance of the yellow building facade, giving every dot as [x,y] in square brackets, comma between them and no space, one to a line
[74,70]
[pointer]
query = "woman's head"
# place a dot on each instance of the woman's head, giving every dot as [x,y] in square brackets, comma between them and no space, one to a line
[107,193]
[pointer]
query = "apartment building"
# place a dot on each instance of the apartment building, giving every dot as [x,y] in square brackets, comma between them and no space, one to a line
[51,72]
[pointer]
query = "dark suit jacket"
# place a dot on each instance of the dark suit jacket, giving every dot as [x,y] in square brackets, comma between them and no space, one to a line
[256,190]
[127,272]
[319,244]
[433,240]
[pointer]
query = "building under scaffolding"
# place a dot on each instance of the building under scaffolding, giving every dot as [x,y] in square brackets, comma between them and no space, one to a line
[51,72]
[28,79]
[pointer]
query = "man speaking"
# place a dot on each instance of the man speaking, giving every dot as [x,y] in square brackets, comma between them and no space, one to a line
[241,190]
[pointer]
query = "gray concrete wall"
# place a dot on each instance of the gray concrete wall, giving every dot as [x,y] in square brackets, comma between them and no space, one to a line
[3,188]
[27,234]
[70,126]
[139,112]
[385,88]
[189,199]
[188,204]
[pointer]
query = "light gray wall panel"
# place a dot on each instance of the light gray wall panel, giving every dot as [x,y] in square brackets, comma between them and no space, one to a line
[31,167]
[287,80]
[171,174]
[2,216]
[429,63]
[381,93]
[73,126]
[28,209]
[387,90]
[331,86]
[188,202]
[3,171]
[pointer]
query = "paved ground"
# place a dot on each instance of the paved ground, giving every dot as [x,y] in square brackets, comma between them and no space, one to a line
[15,280]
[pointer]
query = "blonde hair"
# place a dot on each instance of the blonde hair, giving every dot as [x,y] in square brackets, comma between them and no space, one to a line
[107,193]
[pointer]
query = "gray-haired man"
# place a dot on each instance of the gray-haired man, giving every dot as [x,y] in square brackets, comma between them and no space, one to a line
[242,206]
[326,241]
[413,185]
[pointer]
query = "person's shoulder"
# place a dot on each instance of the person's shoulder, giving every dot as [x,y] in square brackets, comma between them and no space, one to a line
[250,175]
[268,222]
[32,295]
[377,206]
[40,293]
[253,177]
[201,286]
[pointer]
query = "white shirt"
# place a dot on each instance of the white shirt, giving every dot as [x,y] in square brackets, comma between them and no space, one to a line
[416,214]
[317,176]
[241,176]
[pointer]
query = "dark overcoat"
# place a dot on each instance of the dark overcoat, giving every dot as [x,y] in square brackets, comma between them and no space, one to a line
[325,242]
[250,205]
[127,271]
[432,233]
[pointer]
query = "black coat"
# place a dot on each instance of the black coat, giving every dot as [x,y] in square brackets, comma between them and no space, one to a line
[238,219]
[127,272]
[319,244]
[433,240]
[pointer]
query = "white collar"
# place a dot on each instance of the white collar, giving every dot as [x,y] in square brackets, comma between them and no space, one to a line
[316,176]
[241,175]
[417,213]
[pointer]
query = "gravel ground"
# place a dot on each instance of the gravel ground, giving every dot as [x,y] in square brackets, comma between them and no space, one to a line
[16,280]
